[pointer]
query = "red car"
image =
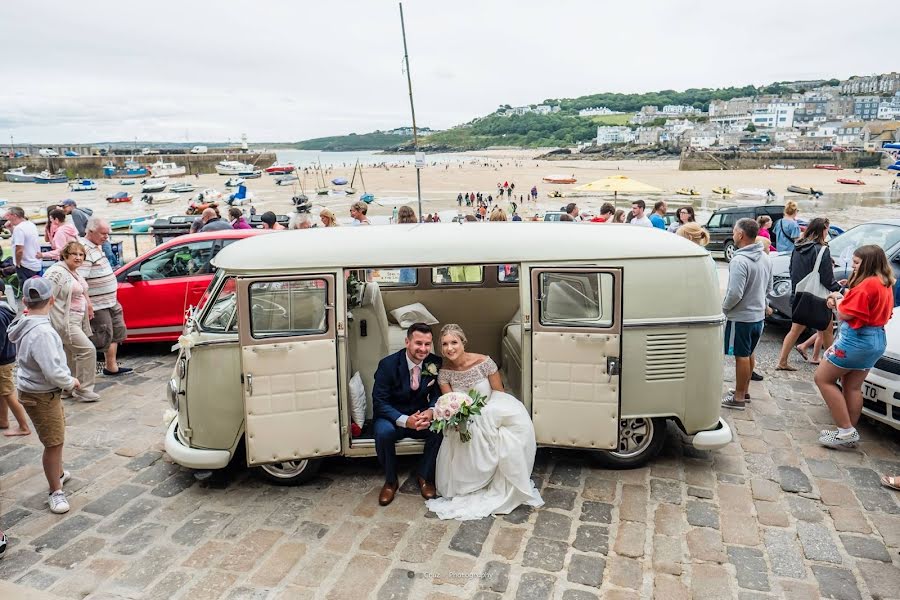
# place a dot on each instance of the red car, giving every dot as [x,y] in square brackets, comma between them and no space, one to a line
[156,288]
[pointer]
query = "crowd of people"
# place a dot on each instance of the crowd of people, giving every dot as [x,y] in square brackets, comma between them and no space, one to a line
[48,352]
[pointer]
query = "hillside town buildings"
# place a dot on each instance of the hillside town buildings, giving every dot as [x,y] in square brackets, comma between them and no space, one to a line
[861,112]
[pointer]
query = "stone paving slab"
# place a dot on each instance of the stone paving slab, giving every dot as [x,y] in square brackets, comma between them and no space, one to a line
[773,515]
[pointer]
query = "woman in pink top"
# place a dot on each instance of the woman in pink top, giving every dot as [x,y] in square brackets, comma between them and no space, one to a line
[70,316]
[63,233]
[237,219]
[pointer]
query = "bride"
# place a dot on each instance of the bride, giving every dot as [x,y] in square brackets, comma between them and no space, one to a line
[491,473]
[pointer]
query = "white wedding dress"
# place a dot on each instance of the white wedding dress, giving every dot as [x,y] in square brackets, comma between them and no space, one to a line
[491,473]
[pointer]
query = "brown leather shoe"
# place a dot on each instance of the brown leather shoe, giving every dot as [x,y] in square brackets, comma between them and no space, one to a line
[428,491]
[387,493]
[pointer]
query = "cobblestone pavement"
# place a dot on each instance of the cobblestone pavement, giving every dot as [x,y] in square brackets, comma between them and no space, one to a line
[771,516]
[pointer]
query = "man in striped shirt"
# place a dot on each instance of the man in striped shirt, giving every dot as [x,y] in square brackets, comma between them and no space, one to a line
[108,322]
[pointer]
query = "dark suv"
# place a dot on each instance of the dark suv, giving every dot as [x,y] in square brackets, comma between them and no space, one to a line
[721,225]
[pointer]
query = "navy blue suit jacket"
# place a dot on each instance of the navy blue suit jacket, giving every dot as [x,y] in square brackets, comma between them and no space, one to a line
[392,397]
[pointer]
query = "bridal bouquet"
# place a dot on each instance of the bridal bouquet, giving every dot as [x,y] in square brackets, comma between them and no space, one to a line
[453,410]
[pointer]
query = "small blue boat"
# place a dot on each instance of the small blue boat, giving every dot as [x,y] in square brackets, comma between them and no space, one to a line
[47,177]
[367,198]
[339,181]
[132,221]
[84,185]
[131,169]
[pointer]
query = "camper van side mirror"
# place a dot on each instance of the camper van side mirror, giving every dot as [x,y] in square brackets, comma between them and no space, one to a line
[134,277]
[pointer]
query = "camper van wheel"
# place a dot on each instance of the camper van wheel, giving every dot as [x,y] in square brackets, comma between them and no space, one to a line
[729,250]
[292,472]
[640,439]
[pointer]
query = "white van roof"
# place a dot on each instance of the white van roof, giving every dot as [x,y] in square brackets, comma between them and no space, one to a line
[448,244]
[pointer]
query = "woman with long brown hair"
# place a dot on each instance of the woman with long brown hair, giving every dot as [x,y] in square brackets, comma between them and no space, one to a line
[405,214]
[810,248]
[863,311]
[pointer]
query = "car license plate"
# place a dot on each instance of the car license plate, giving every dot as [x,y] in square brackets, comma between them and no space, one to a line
[870,391]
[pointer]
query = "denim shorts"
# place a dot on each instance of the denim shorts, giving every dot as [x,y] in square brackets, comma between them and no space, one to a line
[857,349]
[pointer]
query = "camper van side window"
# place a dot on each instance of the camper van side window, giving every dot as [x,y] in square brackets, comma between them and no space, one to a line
[220,316]
[288,308]
[453,274]
[576,299]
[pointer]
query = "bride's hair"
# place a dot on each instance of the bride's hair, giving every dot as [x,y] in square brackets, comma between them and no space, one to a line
[454,329]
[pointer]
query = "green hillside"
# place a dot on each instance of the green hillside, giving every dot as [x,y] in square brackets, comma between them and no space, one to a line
[376,140]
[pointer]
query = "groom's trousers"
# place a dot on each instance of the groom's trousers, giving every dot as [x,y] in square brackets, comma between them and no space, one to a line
[386,436]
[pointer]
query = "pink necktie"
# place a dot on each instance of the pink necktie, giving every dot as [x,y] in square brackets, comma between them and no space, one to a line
[414,378]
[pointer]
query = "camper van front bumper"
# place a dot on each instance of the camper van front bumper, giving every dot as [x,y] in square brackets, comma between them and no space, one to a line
[714,438]
[193,458]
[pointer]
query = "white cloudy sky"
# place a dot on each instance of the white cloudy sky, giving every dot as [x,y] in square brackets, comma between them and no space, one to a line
[283,70]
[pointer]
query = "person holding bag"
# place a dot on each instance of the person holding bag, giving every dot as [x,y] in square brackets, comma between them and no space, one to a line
[863,311]
[812,277]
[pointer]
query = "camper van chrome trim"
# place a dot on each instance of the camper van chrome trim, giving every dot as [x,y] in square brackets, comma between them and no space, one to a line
[691,322]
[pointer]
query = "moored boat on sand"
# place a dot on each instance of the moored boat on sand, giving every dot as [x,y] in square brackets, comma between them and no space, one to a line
[182,188]
[159,198]
[154,185]
[166,169]
[723,190]
[118,198]
[234,181]
[285,179]
[18,175]
[809,191]
[130,221]
[131,169]
[563,179]
[48,177]
[827,166]
[687,192]
[83,185]
[851,181]
[280,169]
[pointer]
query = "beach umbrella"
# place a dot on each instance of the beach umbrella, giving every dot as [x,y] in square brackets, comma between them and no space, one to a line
[617,184]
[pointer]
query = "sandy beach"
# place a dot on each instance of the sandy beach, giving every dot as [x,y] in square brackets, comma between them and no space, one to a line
[395,184]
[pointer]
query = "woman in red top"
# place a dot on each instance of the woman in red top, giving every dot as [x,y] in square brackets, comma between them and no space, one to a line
[863,312]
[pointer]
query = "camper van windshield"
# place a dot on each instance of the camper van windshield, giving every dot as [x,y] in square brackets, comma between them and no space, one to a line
[219,316]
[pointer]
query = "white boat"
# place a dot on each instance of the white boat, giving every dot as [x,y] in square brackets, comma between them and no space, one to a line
[233,167]
[159,198]
[82,185]
[754,192]
[166,169]
[780,166]
[18,175]
[182,187]
[208,195]
[285,179]
[154,185]
[234,181]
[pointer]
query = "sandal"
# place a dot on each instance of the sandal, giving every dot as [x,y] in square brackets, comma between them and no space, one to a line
[785,368]
[802,353]
[891,481]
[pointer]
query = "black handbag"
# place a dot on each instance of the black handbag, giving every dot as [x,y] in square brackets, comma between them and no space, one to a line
[809,305]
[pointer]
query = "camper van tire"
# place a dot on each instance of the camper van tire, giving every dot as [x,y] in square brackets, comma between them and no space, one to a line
[293,472]
[640,440]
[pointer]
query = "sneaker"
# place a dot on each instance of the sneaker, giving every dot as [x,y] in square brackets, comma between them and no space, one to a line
[58,502]
[729,402]
[64,477]
[833,439]
[754,376]
[85,396]
[746,396]
[122,371]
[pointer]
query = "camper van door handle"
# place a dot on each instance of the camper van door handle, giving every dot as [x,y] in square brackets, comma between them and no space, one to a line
[613,366]
[249,384]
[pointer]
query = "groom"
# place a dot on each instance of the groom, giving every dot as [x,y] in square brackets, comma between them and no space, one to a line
[403,398]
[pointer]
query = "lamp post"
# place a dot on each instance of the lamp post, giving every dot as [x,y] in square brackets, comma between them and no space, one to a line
[412,109]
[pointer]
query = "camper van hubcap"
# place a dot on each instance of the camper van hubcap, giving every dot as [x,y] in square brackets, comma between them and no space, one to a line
[286,470]
[635,436]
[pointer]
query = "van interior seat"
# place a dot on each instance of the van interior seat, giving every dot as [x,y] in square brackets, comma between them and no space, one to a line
[368,338]
[511,353]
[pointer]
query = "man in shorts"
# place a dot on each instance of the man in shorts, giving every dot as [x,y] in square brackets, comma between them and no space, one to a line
[745,307]
[41,377]
[108,323]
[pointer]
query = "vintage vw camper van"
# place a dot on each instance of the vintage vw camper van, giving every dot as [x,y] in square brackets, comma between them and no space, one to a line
[604,332]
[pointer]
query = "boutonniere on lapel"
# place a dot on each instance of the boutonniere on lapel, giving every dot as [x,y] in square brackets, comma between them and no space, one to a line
[430,369]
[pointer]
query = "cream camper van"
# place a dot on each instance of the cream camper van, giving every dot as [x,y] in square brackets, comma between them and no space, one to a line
[604,332]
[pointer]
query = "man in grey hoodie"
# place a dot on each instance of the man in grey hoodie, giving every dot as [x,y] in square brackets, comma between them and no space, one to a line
[749,282]
[41,375]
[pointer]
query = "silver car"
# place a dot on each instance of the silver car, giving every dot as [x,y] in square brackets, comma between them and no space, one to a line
[884,233]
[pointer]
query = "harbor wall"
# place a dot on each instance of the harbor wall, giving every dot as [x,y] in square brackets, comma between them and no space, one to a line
[704,160]
[92,166]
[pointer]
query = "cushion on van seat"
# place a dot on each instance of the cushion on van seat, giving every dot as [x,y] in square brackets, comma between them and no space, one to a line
[413,313]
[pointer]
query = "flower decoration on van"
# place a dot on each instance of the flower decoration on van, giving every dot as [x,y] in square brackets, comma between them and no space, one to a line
[453,411]
[185,343]
[430,369]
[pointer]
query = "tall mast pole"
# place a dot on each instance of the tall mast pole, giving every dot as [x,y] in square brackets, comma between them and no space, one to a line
[412,109]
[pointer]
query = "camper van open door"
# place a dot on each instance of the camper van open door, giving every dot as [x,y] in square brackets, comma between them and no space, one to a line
[576,353]
[289,367]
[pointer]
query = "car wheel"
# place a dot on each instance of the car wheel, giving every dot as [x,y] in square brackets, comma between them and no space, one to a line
[293,472]
[729,250]
[640,439]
